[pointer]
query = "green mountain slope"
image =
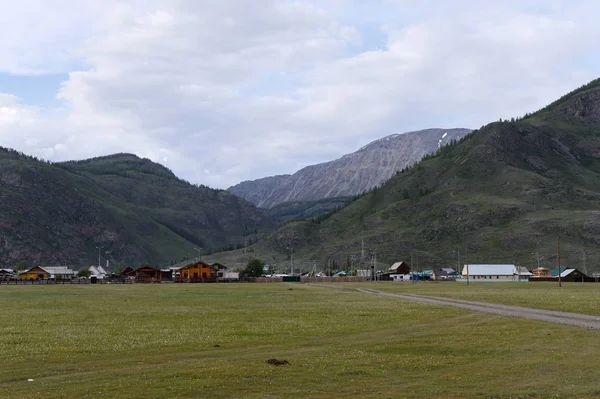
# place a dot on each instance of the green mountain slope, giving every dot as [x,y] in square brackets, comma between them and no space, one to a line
[504,192]
[132,207]
[301,210]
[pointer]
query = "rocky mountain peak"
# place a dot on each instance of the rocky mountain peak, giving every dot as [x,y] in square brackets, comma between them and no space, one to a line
[351,174]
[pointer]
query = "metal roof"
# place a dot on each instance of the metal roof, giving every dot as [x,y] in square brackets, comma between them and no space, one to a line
[490,270]
[396,265]
[57,269]
[566,272]
[523,271]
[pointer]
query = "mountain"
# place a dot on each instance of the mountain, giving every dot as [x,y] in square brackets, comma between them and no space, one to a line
[350,175]
[135,209]
[502,193]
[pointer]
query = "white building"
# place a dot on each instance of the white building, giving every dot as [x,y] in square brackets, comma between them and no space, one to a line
[98,272]
[228,275]
[495,273]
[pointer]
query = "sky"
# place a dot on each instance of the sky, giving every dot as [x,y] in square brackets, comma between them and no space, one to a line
[222,91]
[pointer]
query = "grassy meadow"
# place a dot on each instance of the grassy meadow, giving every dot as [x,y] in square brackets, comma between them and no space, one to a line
[212,341]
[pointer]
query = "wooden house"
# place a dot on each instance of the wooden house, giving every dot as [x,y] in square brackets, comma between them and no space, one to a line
[570,274]
[128,272]
[48,272]
[399,268]
[198,271]
[36,272]
[148,274]
[399,271]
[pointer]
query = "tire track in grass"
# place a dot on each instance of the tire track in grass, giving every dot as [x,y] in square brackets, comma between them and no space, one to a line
[551,316]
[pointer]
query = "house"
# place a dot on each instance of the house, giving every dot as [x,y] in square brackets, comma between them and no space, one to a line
[568,274]
[541,272]
[98,272]
[524,273]
[197,271]
[7,274]
[227,275]
[147,274]
[166,274]
[399,271]
[48,272]
[493,272]
[399,268]
[36,272]
[128,272]
[445,273]
[219,266]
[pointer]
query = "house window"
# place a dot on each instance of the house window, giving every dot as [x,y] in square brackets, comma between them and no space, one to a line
[203,275]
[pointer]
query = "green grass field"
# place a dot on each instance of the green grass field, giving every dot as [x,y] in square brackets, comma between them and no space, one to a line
[158,341]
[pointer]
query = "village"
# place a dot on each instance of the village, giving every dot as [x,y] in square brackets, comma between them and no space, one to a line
[203,272]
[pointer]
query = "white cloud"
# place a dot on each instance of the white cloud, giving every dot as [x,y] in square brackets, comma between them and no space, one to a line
[226,91]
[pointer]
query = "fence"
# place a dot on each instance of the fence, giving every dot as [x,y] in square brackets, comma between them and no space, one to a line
[346,279]
[61,282]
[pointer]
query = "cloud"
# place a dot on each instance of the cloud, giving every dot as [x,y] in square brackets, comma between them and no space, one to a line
[223,91]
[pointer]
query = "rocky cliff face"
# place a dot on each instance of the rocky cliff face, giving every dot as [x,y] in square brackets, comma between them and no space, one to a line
[352,174]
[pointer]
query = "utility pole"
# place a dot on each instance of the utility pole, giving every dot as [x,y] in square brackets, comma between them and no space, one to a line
[291,260]
[584,261]
[107,254]
[199,253]
[467,264]
[99,248]
[362,252]
[558,259]
[538,258]
[411,267]
[374,265]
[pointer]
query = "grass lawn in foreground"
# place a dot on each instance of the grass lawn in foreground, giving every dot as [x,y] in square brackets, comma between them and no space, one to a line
[158,341]
[571,297]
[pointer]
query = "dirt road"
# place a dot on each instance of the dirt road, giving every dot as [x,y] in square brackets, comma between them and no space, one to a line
[551,316]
